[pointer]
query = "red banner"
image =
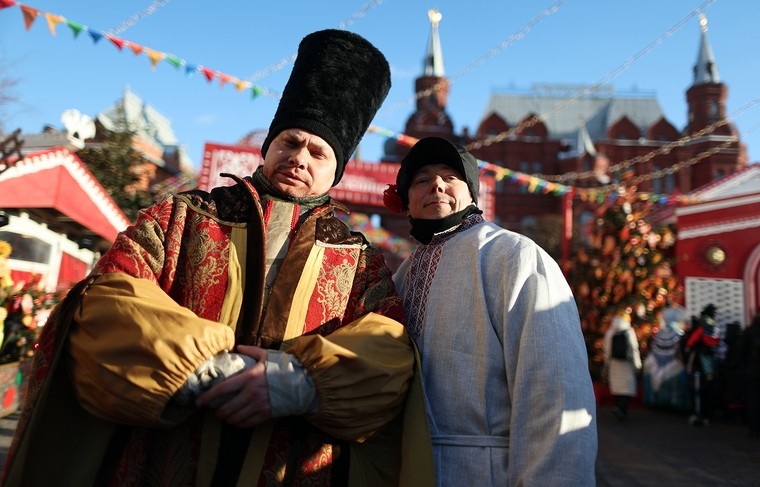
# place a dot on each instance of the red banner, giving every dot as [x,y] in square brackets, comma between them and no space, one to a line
[363,183]
[218,158]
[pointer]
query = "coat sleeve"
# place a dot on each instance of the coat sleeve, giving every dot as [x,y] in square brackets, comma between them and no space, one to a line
[362,373]
[132,347]
[553,420]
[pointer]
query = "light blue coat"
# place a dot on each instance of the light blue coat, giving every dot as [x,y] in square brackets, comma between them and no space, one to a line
[504,364]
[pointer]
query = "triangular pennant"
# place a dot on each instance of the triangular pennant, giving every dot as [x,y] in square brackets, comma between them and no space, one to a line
[224,79]
[6,4]
[190,69]
[75,27]
[241,85]
[30,14]
[119,43]
[96,36]
[154,56]
[209,73]
[256,91]
[53,20]
[136,48]
[174,60]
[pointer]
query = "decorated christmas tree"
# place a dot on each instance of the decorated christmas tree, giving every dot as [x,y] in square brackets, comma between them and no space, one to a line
[624,264]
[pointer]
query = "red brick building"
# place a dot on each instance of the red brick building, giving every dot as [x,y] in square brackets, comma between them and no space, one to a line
[584,136]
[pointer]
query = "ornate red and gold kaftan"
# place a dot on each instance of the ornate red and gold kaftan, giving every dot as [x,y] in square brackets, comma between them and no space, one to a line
[187,282]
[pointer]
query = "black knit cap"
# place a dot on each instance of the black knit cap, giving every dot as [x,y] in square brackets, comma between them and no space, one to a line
[338,82]
[435,150]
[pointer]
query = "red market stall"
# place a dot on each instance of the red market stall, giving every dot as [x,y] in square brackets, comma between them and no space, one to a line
[55,218]
[718,247]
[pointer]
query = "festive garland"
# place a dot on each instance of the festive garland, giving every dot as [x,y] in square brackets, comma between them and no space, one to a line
[609,192]
[30,14]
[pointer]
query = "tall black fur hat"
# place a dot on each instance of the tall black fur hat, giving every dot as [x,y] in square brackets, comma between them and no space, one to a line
[338,82]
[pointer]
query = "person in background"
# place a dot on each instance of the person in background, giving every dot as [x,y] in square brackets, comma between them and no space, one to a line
[701,365]
[622,371]
[504,365]
[244,336]
[665,384]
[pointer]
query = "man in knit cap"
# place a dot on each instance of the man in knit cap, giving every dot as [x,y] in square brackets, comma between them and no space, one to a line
[243,336]
[504,365]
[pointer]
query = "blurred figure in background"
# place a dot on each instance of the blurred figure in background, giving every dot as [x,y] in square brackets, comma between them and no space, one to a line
[701,365]
[665,383]
[621,352]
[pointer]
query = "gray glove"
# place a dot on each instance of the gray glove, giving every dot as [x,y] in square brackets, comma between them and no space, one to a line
[218,368]
[291,390]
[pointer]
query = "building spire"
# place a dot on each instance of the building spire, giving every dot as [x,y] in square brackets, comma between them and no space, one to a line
[434,58]
[705,70]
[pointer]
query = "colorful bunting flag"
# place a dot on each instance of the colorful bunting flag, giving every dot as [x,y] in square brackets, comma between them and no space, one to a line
[75,27]
[53,21]
[95,35]
[136,48]
[224,79]
[174,61]
[208,73]
[154,56]
[119,43]
[30,14]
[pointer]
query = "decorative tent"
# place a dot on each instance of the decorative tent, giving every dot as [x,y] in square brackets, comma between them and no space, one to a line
[57,189]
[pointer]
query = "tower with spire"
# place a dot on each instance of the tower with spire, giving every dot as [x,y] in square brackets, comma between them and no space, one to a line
[707,95]
[430,117]
[706,100]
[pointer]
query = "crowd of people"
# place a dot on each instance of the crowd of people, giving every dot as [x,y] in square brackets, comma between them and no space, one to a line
[694,367]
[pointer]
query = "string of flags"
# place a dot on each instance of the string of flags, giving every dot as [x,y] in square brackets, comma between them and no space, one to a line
[30,15]
[533,183]
[538,185]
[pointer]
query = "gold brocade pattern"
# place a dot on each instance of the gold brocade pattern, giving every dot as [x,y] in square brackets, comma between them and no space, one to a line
[334,287]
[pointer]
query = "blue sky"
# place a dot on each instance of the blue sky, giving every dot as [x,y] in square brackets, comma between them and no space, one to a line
[488,46]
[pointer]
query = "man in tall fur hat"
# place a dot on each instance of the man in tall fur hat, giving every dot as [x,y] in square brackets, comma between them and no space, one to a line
[504,366]
[243,336]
